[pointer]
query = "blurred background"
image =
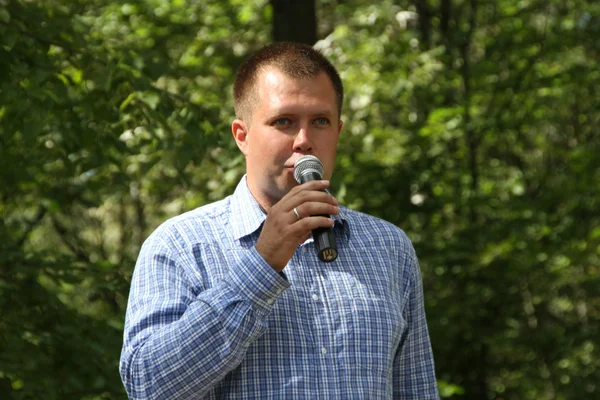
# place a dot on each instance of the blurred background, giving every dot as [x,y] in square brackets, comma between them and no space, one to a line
[474,125]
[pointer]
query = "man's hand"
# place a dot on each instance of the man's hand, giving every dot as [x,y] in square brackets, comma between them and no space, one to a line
[283,231]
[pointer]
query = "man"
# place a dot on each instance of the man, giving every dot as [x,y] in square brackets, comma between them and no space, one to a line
[230,301]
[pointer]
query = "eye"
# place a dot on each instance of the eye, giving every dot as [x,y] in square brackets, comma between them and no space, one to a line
[322,121]
[282,122]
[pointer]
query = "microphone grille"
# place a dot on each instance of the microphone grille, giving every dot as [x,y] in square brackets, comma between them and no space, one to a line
[307,164]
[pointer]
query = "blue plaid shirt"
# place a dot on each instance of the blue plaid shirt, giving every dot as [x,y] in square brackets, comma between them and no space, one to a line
[208,318]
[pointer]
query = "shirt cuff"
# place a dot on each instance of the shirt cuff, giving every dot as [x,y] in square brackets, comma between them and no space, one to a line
[257,281]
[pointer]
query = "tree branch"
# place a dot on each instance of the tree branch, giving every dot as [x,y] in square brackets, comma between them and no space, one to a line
[62,233]
[31,224]
[46,42]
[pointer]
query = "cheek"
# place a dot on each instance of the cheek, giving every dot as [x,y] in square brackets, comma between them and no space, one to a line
[271,149]
[328,148]
[328,156]
[277,148]
[269,156]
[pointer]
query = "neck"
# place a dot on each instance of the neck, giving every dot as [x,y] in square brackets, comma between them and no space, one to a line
[264,201]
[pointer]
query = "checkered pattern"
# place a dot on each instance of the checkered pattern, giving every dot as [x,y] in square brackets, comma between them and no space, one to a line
[208,318]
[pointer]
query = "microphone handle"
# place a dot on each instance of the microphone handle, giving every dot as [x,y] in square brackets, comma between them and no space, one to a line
[324,237]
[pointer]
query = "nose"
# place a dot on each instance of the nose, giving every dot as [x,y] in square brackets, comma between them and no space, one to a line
[302,141]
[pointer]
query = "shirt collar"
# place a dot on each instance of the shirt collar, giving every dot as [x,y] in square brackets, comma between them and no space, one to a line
[247,215]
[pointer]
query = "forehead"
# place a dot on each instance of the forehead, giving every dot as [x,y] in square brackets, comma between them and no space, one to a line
[275,86]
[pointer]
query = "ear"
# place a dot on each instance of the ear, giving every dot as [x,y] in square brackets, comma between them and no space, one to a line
[340,124]
[239,130]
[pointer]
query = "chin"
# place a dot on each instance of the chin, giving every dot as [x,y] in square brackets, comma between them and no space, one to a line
[280,186]
[284,186]
[291,182]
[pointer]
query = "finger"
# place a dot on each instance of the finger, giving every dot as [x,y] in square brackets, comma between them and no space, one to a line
[291,200]
[315,208]
[296,213]
[314,185]
[307,224]
[318,186]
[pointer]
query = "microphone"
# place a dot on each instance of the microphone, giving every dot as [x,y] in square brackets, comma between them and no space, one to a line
[309,168]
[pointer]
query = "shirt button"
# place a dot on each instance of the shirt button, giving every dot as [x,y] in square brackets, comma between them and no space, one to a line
[315,297]
[323,350]
[270,301]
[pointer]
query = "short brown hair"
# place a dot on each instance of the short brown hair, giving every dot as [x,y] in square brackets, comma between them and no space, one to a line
[296,60]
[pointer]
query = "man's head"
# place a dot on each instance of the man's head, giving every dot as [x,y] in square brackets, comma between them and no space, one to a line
[288,100]
[297,61]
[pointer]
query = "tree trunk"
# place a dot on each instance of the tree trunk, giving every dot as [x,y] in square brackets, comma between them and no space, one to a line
[294,21]
[424,22]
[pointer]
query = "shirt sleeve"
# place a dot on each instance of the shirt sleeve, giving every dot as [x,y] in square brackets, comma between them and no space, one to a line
[179,342]
[414,371]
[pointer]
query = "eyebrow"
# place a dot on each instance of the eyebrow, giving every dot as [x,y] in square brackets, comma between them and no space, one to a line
[284,111]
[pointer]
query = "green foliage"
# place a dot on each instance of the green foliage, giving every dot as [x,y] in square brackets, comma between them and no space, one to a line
[482,144]
[112,119]
[474,128]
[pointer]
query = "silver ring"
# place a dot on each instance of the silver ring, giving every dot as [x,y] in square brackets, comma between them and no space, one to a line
[296,212]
